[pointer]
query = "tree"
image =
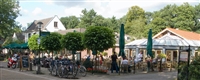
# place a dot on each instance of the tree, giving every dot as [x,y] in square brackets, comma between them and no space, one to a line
[33,43]
[87,19]
[52,42]
[182,17]
[73,41]
[99,38]
[135,22]
[197,19]
[70,22]
[9,11]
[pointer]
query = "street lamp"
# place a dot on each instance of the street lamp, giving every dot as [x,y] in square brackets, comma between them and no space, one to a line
[38,65]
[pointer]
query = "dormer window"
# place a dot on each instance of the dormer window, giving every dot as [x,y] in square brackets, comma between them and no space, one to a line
[56,24]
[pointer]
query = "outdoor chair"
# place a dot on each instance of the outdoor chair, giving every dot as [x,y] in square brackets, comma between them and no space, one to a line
[124,68]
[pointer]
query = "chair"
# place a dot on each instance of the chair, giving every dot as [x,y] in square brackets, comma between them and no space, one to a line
[124,67]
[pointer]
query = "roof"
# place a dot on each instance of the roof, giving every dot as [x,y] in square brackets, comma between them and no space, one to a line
[165,41]
[63,32]
[181,33]
[33,26]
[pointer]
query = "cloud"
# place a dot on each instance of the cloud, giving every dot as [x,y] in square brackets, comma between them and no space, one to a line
[23,11]
[50,2]
[37,11]
[73,11]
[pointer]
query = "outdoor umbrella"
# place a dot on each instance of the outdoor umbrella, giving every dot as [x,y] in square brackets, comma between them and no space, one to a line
[12,46]
[149,44]
[121,41]
[24,46]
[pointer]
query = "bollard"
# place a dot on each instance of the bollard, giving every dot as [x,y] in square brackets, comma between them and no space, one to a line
[30,68]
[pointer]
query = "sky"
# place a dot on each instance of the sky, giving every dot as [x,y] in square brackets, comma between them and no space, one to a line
[31,10]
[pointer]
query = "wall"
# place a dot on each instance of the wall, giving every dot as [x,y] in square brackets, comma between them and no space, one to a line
[50,27]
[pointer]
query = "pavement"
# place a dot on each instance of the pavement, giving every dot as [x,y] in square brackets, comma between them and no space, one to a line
[15,74]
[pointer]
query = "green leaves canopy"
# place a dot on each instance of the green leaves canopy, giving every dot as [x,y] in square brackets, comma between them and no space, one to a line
[9,11]
[52,42]
[32,42]
[73,41]
[99,38]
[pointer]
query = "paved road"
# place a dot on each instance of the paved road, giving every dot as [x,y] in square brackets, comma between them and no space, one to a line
[30,75]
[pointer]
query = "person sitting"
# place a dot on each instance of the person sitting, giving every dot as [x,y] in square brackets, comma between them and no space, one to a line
[139,57]
[124,64]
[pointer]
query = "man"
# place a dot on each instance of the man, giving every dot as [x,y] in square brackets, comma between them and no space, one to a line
[139,57]
[114,63]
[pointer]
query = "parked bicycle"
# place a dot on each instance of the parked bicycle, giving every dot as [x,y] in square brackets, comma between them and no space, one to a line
[67,68]
[82,70]
[53,67]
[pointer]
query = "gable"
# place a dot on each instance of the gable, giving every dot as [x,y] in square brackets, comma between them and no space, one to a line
[55,25]
[180,33]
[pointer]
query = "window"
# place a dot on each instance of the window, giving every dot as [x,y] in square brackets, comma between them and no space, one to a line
[55,24]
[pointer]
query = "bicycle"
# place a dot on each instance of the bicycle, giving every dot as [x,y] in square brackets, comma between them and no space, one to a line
[66,68]
[82,70]
[53,67]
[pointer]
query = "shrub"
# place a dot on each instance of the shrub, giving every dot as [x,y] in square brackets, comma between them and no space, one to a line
[194,70]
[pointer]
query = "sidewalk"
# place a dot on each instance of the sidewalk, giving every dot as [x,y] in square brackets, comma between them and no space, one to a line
[139,75]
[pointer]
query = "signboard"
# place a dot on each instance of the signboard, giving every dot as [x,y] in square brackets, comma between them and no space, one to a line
[183,56]
[44,33]
[25,62]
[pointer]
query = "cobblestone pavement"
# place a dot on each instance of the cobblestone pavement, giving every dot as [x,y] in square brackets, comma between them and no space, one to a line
[15,74]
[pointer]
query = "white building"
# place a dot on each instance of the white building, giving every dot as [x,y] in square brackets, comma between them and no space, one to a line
[51,24]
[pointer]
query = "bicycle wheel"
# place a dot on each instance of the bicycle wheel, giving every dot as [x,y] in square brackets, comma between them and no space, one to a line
[82,71]
[54,71]
[74,70]
[60,71]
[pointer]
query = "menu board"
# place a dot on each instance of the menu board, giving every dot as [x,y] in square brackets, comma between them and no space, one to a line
[25,62]
[183,56]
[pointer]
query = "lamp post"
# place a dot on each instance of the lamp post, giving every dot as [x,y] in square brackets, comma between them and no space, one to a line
[38,65]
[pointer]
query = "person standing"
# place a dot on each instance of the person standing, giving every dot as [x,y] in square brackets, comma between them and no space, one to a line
[114,63]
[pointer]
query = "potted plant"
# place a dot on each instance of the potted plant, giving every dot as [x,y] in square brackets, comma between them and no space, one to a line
[161,56]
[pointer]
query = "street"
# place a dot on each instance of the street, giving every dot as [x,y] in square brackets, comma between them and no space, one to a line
[15,74]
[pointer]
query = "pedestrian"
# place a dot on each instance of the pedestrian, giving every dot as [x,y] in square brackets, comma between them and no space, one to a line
[114,63]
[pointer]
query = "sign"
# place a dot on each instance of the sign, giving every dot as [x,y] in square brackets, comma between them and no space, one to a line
[44,33]
[183,56]
[38,40]
[25,62]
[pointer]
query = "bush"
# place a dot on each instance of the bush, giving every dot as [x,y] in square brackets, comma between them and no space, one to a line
[194,70]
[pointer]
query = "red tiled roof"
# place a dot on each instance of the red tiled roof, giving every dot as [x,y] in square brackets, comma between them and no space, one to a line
[185,34]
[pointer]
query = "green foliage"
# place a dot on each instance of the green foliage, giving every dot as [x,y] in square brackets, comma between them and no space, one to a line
[194,69]
[10,40]
[32,42]
[162,55]
[70,22]
[73,41]
[9,12]
[87,19]
[99,38]
[138,22]
[135,22]
[104,53]
[52,42]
